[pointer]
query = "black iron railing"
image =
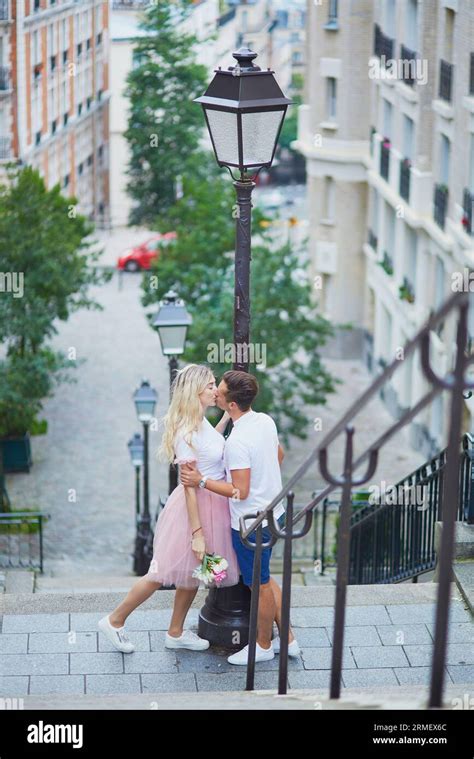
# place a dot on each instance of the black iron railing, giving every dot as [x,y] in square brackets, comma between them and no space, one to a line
[21,540]
[471,75]
[455,384]
[385,159]
[372,239]
[408,57]
[440,204]
[383,45]
[393,537]
[405,174]
[4,78]
[467,205]
[445,80]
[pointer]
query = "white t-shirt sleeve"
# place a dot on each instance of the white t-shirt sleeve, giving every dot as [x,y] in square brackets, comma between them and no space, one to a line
[183,451]
[238,455]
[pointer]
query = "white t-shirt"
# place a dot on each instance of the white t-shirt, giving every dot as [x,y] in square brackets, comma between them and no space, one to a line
[207,451]
[253,444]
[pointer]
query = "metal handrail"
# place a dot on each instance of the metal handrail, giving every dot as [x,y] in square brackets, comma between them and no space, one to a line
[455,383]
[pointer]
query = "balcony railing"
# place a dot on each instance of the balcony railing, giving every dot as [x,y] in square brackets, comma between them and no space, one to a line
[372,239]
[445,80]
[440,204]
[471,76]
[468,210]
[385,159]
[127,5]
[4,10]
[4,78]
[5,148]
[226,17]
[409,65]
[405,173]
[383,45]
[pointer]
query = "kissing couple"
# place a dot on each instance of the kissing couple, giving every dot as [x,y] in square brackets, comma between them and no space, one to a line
[221,480]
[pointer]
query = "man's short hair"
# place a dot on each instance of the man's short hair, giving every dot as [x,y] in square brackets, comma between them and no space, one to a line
[242,388]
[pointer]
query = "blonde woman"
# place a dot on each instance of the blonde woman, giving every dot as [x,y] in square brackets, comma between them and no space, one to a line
[194,521]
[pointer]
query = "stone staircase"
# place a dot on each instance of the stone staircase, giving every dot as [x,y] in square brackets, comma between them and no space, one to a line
[54,657]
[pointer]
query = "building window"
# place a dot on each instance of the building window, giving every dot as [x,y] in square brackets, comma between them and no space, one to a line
[331,98]
[411,25]
[332,22]
[390,17]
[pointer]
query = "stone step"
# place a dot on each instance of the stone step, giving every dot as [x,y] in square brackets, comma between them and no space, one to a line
[464,576]
[387,697]
[301,596]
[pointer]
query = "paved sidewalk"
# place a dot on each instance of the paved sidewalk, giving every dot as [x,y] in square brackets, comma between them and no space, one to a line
[385,644]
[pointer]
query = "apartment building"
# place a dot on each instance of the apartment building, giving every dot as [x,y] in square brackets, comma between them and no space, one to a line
[54,92]
[395,178]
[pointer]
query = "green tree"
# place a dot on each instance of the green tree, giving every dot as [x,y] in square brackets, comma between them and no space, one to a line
[48,264]
[165,125]
[43,241]
[200,266]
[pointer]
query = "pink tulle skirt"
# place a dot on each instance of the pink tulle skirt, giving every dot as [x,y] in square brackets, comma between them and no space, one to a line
[173,560]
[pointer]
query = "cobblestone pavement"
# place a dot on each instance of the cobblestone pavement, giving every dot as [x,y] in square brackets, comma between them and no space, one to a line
[385,645]
[82,474]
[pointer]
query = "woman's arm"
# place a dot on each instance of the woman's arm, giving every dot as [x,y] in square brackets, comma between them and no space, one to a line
[197,537]
[222,423]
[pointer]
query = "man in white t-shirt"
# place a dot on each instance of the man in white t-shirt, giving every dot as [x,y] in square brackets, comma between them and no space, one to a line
[252,458]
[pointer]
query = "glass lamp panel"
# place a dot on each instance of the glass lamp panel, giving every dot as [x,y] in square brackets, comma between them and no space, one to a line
[223,128]
[259,134]
[173,339]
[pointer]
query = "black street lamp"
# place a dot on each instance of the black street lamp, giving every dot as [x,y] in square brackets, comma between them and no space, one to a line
[171,322]
[244,110]
[145,398]
[135,448]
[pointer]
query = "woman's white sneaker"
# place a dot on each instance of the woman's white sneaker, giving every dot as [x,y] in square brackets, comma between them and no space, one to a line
[261,654]
[293,647]
[187,639]
[117,636]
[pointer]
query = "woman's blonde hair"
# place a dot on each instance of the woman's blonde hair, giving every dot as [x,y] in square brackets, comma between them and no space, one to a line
[185,412]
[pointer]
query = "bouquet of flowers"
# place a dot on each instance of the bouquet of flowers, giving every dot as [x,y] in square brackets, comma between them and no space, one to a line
[212,569]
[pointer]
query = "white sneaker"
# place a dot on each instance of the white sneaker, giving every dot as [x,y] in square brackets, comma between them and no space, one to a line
[261,654]
[293,647]
[116,635]
[187,639]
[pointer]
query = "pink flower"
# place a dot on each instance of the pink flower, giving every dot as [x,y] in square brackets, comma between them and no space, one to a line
[219,576]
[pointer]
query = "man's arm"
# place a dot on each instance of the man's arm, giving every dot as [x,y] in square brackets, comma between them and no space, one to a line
[240,482]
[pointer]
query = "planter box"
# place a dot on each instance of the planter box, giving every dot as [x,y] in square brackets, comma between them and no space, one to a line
[16,453]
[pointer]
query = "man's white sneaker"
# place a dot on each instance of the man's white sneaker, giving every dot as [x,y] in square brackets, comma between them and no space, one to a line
[293,647]
[187,639]
[261,654]
[116,635]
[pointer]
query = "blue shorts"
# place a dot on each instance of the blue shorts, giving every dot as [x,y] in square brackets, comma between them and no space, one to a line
[245,556]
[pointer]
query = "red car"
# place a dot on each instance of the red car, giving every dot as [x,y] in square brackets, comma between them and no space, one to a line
[140,257]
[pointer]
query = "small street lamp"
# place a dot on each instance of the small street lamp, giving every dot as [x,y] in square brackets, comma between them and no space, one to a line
[145,398]
[135,448]
[171,322]
[244,110]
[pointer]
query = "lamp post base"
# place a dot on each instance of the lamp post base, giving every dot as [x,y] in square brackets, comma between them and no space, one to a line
[224,618]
